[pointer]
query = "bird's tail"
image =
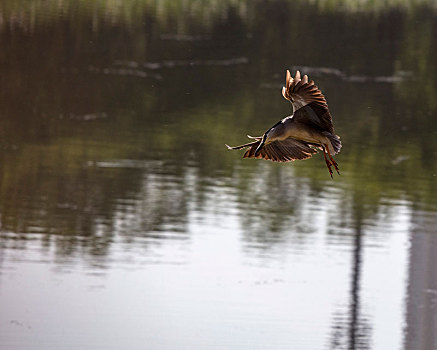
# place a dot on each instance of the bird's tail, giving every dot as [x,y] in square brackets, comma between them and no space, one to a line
[335,142]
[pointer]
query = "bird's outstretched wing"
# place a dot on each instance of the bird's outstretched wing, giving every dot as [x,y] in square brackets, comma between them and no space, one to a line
[309,104]
[279,151]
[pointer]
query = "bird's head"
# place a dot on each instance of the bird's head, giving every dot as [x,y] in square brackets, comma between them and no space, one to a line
[258,149]
[269,136]
[261,145]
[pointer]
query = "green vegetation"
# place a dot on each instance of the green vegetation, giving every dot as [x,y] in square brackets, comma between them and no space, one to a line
[160,86]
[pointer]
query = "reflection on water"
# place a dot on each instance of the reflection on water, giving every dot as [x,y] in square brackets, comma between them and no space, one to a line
[121,206]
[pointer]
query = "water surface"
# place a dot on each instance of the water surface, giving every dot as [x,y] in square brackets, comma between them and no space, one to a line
[125,221]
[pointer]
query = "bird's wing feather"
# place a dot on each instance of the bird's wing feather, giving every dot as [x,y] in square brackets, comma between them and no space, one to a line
[282,151]
[309,104]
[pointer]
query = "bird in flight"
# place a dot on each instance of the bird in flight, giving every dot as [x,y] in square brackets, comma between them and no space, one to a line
[302,134]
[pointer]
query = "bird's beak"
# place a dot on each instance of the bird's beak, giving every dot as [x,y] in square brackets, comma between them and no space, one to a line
[258,149]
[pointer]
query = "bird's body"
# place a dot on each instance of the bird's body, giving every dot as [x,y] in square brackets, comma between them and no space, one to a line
[300,135]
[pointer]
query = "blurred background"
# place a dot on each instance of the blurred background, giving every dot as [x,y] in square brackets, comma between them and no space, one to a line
[126,223]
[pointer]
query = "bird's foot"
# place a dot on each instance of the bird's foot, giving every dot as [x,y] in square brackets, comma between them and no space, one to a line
[334,163]
[328,165]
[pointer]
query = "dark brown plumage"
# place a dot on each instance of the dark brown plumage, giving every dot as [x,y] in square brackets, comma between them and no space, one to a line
[302,134]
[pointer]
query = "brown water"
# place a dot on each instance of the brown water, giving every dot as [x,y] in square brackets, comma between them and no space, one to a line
[125,221]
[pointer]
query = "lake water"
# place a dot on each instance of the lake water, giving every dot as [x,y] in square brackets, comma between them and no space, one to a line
[125,223]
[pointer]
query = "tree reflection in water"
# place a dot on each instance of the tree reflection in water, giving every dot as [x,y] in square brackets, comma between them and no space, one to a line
[114,129]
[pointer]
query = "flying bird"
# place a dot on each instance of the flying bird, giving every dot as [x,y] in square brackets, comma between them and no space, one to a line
[302,134]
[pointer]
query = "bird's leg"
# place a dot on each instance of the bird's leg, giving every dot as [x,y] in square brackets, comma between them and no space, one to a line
[333,162]
[328,163]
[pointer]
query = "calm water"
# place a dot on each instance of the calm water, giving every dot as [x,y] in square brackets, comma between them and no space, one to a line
[126,223]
